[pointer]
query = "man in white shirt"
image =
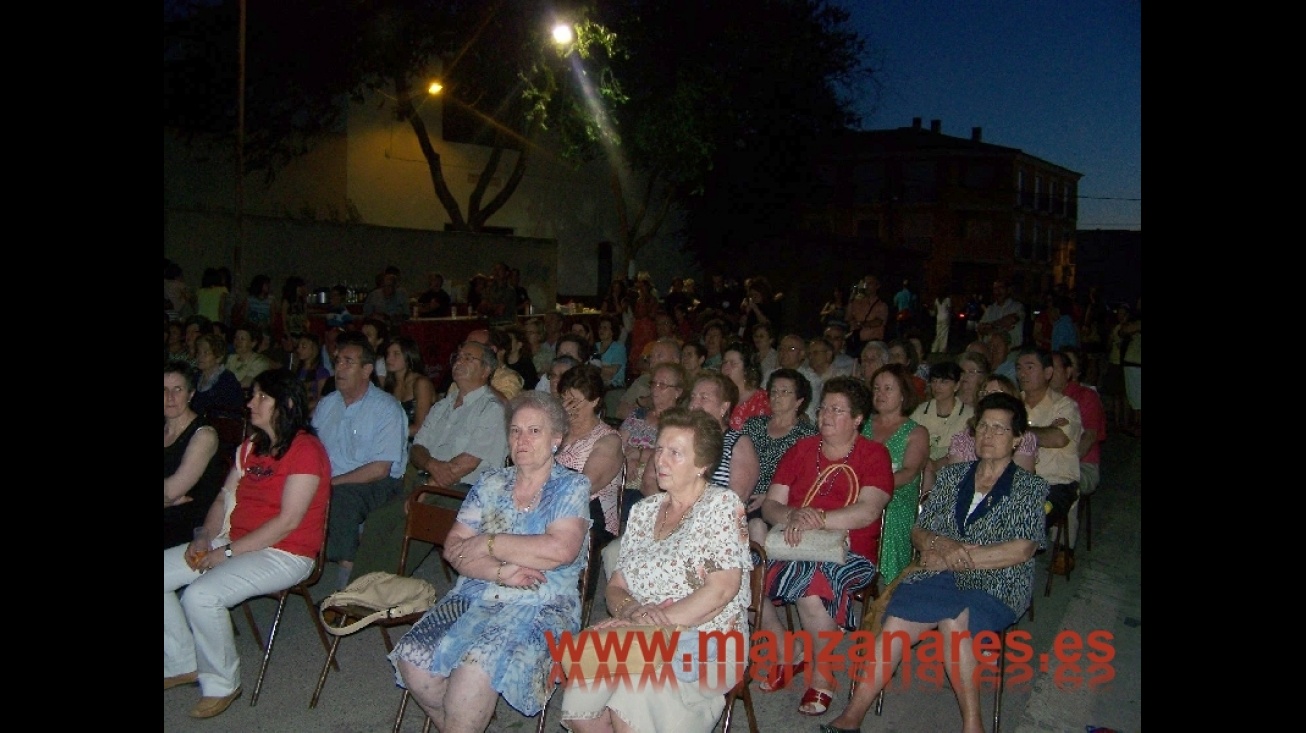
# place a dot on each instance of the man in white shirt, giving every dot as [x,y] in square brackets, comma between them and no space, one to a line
[1055,420]
[792,354]
[1004,314]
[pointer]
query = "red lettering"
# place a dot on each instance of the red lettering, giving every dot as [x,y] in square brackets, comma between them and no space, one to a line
[1019,649]
[930,650]
[1100,674]
[1067,677]
[1100,642]
[986,646]
[1067,646]
[660,649]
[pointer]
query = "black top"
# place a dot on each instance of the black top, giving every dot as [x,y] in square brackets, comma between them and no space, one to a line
[180,521]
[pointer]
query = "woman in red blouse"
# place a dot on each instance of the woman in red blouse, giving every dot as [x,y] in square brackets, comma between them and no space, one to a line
[822,590]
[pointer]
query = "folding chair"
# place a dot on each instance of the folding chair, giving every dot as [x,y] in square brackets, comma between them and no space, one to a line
[426,523]
[300,589]
[741,690]
[1001,682]
[544,714]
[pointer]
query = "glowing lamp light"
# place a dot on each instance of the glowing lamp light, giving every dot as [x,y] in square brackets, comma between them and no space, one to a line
[434,88]
[562,34]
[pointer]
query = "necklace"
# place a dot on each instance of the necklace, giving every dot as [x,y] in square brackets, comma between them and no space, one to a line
[820,453]
[530,505]
[666,512]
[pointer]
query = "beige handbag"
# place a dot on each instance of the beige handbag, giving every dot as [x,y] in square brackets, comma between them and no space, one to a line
[387,595]
[817,545]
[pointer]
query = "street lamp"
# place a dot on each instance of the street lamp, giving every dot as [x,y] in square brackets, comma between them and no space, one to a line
[435,88]
[562,34]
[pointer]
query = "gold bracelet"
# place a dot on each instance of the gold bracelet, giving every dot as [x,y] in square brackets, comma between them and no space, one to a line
[489,545]
[822,513]
[498,574]
[622,607]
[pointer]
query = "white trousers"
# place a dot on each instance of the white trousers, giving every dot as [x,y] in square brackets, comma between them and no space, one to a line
[197,633]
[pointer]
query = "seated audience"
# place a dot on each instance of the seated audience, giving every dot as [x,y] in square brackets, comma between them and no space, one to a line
[822,591]
[892,400]
[592,446]
[246,363]
[267,543]
[218,389]
[461,438]
[943,416]
[684,562]
[978,560]
[365,432]
[962,449]
[739,366]
[406,381]
[773,435]
[309,367]
[519,547]
[193,471]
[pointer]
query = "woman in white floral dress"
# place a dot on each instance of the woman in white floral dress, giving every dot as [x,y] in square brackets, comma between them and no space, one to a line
[684,562]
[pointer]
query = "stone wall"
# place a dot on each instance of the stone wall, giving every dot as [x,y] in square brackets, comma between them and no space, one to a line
[326,253]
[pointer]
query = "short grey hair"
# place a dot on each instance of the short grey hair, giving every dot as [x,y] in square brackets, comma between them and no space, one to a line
[488,357]
[545,402]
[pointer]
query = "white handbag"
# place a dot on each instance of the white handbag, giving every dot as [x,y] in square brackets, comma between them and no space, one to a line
[817,545]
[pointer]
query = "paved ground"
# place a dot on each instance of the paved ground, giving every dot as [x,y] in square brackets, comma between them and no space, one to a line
[1103,595]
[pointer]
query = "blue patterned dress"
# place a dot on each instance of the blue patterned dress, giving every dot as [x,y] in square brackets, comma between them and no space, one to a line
[499,628]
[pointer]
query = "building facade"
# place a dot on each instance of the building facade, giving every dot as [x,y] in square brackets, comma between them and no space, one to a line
[948,213]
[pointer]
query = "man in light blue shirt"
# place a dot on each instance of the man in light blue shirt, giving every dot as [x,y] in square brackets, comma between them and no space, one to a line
[365,432]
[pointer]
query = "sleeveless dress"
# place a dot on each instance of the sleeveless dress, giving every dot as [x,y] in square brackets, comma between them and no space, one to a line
[180,521]
[900,514]
[574,457]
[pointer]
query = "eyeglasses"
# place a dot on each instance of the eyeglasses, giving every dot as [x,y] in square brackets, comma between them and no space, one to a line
[346,361]
[836,411]
[976,372]
[997,429]
[663,385]
[454,359]
[987,392]
[780,391]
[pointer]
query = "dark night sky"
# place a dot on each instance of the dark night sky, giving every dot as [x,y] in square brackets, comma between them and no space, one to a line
[1059,80]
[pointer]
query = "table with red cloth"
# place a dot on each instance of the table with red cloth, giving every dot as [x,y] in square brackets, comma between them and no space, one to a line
[438,339]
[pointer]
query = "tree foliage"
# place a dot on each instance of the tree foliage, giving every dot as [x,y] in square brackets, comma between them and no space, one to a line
[703,103]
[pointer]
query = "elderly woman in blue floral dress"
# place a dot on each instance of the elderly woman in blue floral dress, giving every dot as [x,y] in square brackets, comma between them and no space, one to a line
[519,546]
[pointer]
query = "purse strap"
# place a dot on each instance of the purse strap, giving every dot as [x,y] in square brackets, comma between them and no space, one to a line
[828,471]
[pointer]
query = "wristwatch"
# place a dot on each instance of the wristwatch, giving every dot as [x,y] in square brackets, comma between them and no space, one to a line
[227,551]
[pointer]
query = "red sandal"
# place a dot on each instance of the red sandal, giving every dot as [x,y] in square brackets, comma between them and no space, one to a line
[818,700]
[781,675]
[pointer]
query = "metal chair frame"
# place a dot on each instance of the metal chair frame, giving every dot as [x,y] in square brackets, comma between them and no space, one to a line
[300,589]
[426,523]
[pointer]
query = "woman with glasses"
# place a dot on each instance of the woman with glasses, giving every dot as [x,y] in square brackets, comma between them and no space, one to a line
[789,393]
[962,448]
[822,591]
[639,431]
[892,400]
[977,535]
